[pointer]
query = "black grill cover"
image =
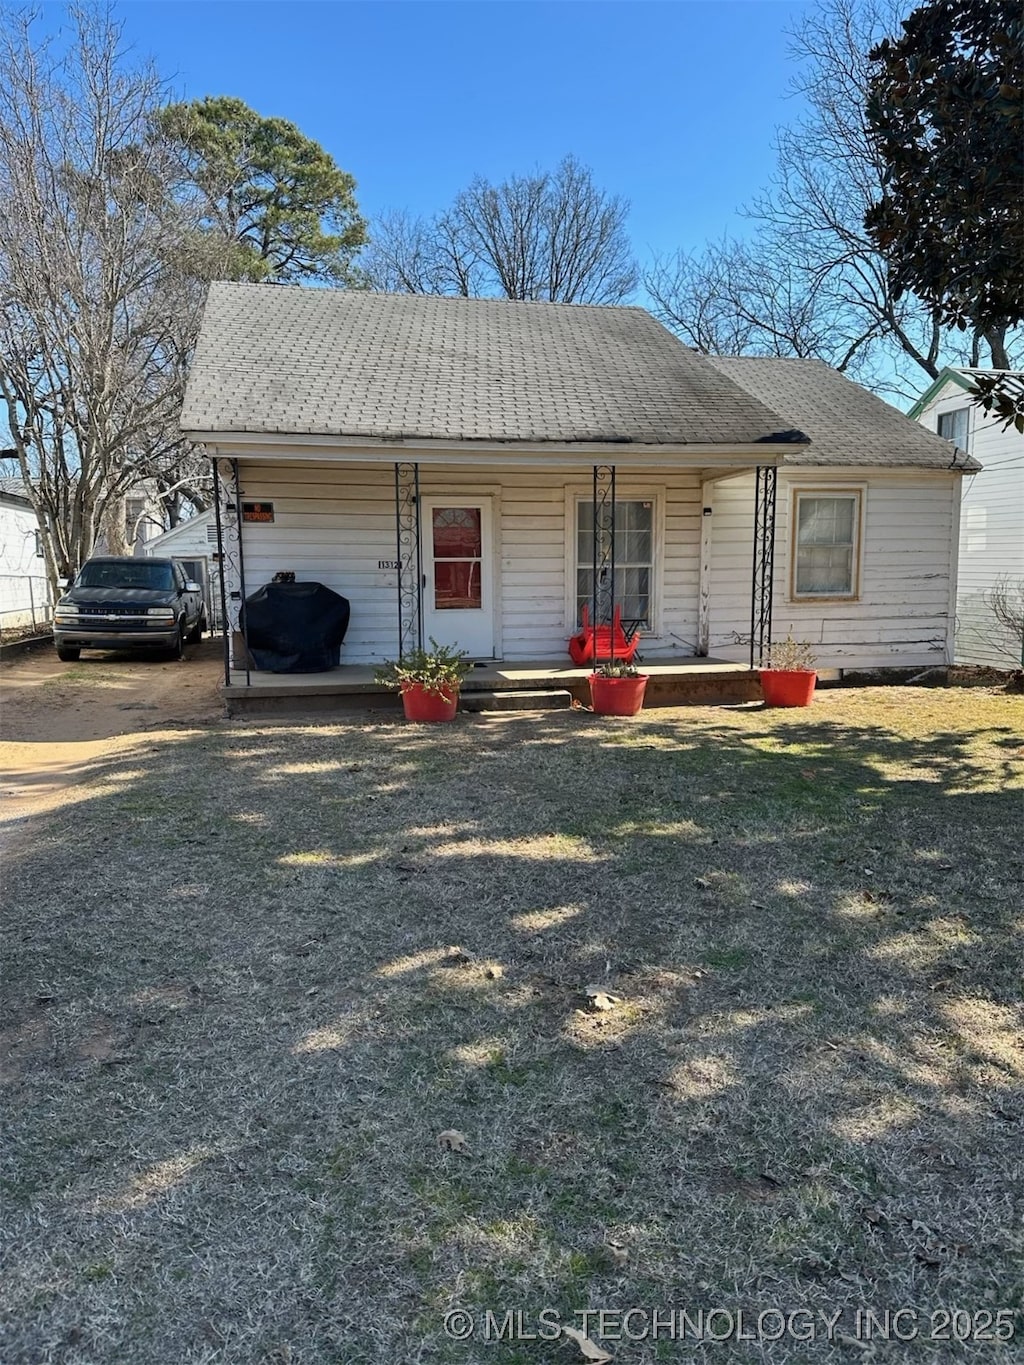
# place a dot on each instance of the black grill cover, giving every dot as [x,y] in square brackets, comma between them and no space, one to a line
[295,627]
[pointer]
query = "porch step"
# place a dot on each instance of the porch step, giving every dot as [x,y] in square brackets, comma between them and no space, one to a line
[515,700]
[543,684]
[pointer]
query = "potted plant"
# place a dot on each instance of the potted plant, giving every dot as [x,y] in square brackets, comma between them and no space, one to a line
[789,678]
[428,679]
[617,689]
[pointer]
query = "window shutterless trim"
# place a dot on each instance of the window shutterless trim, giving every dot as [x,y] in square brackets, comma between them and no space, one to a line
[824,491]
[657,496]
[964,408]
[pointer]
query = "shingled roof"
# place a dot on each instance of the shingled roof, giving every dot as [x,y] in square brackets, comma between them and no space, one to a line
[14,488]
[847,424]
[288,360]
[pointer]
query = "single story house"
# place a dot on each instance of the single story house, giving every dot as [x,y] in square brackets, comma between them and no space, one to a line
[991,514]
[479,470]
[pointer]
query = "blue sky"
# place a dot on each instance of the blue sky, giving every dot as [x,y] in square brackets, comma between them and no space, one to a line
[672,105]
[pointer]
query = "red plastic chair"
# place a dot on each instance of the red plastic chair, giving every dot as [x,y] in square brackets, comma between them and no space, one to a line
[597,644]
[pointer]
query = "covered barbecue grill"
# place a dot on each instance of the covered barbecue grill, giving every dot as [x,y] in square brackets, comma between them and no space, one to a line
[295,627]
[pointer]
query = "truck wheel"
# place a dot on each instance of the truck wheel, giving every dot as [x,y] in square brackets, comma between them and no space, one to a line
[67,655]
[196,633]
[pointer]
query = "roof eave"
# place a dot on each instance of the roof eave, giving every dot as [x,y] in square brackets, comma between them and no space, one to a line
[298,445]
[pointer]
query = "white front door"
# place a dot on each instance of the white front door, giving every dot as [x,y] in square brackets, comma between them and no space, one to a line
[458,591]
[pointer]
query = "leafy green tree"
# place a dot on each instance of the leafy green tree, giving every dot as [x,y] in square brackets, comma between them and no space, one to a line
[287,212]
[946,113]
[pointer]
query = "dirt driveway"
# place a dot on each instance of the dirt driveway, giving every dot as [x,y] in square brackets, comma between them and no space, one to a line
[58,721]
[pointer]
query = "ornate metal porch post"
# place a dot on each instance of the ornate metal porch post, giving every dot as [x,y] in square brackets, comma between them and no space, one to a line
[763,573]
[603,601]
[219,522]
[410,558]
[228,517]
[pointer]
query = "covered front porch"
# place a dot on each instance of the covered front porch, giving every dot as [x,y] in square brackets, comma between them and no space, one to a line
[535,559]
[526,685]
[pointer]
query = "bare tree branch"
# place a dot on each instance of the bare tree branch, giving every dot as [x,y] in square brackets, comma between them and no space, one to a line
[546,235]
[1005,603]
[809,281]
[97,317]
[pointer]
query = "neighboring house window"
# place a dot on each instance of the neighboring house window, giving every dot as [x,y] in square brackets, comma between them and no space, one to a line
[953,425]
[634,560]
[133,510]
[39,544]
[825,544]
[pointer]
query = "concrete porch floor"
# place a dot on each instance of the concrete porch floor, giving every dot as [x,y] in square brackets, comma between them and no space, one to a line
[673,682]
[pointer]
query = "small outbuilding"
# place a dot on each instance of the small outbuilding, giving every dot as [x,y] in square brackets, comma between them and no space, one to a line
[193,543]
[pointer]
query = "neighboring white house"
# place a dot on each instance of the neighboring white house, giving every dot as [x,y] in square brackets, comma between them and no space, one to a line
[24,593]
[991,516]
[24,589]
[442,462]
[193,543]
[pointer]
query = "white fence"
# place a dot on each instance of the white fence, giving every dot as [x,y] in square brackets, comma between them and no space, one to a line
[24,601]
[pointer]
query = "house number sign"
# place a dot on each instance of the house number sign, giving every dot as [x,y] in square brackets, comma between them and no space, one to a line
[387,563]
[257,511]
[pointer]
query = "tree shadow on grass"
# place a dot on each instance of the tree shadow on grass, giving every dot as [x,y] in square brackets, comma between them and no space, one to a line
[252,981]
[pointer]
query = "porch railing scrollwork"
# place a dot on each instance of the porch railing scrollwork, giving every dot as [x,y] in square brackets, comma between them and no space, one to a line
[762,577]
[230,561]
[603,587]
[410,557]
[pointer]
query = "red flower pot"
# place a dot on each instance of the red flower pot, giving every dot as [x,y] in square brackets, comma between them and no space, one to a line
[617,696]
[788,687]
[422,705]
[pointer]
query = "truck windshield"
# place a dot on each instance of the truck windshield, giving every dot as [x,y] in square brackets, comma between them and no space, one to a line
[137,574]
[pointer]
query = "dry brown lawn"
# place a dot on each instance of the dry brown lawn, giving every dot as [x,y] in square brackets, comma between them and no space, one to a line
[252,972]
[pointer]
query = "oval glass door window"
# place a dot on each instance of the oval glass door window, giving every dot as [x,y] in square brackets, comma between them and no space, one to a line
[458,556]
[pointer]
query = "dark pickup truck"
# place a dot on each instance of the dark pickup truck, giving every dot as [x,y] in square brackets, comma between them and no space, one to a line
[129,604]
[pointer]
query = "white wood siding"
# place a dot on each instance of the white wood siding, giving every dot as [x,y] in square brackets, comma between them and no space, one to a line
[991,528]
[24,591]
[901,616]
[192,537]
[334,523]
[195,540]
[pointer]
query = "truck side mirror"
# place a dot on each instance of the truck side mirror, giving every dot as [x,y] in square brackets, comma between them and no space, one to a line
[192,587]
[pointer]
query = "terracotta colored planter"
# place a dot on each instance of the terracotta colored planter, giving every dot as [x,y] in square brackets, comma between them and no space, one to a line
[421,705]
[788,687]
[617,696]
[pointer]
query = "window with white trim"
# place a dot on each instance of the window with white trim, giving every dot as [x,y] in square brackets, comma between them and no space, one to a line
[826,536]
[954,426]
[634,559]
